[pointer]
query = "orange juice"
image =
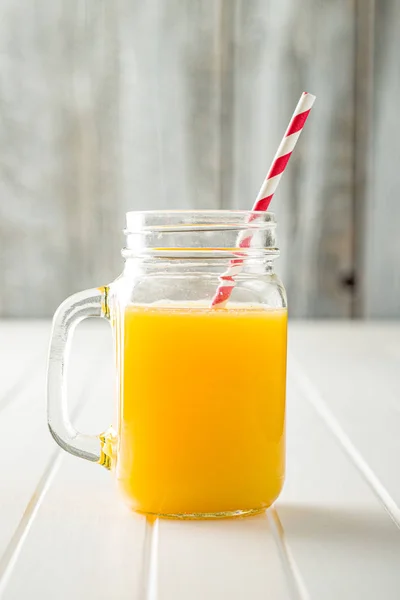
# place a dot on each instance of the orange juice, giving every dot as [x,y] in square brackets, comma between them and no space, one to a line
[202,413]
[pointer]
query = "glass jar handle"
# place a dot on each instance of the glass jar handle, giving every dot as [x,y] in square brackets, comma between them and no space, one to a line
[90,303]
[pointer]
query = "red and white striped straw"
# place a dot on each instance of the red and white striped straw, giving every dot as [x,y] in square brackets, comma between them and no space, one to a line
[267,191]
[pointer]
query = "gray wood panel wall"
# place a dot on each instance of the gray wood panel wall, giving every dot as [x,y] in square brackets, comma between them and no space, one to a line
[110,106]
[382,222]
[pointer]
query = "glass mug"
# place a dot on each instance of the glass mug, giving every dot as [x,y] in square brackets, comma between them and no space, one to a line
[200,429]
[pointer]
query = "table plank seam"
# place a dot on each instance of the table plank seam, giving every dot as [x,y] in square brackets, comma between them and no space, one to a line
[150,556]
[13,549]
[313,396]
[10,556]
[295,582]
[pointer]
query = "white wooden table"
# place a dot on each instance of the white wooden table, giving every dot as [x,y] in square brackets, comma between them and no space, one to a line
[333,535]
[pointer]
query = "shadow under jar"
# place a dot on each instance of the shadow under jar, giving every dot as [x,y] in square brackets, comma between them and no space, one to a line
[201,406]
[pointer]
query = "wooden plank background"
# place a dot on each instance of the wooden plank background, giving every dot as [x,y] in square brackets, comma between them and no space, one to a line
[382,243]
[110,106]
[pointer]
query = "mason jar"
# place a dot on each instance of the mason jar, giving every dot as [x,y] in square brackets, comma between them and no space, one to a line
[199,320]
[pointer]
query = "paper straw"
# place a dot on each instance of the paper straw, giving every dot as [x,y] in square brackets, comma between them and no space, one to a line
[267,191]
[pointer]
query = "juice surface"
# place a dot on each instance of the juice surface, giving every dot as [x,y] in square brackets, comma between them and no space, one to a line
[202,414]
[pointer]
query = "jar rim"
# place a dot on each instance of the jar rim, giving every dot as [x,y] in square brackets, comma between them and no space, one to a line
[194,219]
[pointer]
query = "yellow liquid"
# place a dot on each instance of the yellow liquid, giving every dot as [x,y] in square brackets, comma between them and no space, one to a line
[202,414]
